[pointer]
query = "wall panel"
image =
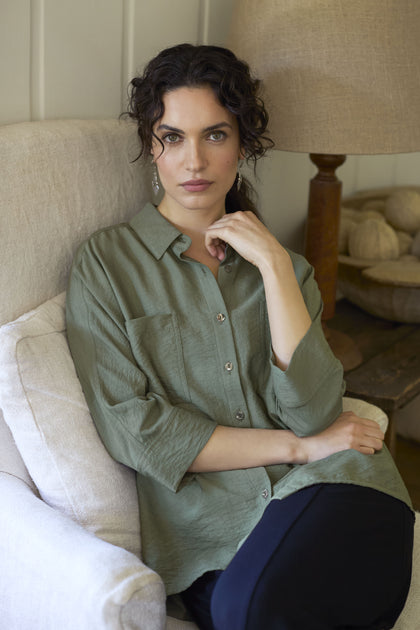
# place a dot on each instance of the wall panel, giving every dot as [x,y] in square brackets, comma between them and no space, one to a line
[216,20]
[407,169]
[347,173]
[373,170]
[160,24]
[282,184]
[82,58]
[14,60]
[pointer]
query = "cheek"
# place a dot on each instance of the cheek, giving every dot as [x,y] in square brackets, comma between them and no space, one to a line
[229,158]
[230,164]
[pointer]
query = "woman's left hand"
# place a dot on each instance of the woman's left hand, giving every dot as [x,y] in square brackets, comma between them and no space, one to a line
[246,234]
[348,431]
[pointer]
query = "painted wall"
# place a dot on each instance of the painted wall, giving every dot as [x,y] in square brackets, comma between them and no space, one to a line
[74,59]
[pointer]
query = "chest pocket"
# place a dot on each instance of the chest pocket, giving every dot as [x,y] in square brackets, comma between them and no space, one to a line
[157,348]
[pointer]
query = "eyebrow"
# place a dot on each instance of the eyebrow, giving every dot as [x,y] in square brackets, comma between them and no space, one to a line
[211,128]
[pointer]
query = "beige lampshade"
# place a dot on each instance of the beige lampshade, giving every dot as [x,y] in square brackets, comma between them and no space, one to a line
[340,76]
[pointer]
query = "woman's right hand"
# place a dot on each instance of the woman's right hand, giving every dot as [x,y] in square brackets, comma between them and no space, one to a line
[348,431]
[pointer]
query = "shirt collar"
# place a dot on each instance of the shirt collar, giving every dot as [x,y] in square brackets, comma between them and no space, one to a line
[158,234]
[154,230]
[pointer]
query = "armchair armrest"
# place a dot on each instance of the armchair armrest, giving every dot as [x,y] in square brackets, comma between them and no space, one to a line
[54,574]
[366,410]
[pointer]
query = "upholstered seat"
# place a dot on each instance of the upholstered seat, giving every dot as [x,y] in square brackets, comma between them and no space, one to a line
[70,551]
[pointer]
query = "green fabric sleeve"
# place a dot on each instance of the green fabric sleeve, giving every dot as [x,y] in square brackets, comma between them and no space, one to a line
[140,428]
[309,393]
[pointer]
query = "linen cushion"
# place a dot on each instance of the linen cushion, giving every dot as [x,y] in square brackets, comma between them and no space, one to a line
[44,407]
[11,462]
[60,180]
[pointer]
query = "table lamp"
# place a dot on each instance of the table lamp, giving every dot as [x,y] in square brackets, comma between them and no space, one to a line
[339,77]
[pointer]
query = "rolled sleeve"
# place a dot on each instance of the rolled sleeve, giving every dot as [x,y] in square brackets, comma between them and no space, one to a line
[140,428]
[309,393]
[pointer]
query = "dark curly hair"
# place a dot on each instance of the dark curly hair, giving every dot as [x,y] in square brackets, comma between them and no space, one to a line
[186,65]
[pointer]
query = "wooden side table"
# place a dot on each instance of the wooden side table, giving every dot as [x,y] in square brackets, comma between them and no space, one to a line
[389,373]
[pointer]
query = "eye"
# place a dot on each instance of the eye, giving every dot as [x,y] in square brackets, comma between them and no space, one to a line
[171,138]
[217,135]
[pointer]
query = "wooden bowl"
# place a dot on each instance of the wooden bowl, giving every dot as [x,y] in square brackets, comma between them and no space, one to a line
[387,289]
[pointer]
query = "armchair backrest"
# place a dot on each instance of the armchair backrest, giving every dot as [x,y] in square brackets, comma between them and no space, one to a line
[60,180]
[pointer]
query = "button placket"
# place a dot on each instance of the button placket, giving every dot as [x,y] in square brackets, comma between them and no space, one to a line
[215,294]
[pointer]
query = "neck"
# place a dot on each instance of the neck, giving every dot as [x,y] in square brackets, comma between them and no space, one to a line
[192,222]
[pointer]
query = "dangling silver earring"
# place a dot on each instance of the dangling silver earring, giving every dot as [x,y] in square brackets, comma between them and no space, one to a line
[155,181]
[239,180]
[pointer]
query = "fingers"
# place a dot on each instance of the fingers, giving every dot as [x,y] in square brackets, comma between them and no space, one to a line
[228,224]
[244,232]
[369,425]
[218,234]
[365,435]
[369,445]
[213,241]
[366,450]
[216,248]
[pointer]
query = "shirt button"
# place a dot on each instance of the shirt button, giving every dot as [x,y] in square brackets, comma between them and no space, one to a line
[265,493]
[228,268]
[229,366]
[220,318]
[239,415]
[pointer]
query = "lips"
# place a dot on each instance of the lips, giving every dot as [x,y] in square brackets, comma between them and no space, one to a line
[196,185]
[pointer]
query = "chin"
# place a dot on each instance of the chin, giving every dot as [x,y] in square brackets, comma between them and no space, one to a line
[199,201]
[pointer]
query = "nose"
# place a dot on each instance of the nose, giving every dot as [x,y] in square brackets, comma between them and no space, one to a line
[195,158]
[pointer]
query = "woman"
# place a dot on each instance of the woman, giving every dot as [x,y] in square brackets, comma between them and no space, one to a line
[198,342]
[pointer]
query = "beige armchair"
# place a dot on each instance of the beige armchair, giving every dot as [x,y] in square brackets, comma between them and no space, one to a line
[70,551]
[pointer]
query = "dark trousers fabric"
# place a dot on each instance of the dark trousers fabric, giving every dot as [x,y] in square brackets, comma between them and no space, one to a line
[331,556]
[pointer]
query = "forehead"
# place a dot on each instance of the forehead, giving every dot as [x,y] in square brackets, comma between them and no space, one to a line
[194,107]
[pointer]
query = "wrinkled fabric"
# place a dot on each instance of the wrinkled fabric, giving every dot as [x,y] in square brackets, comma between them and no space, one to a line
[165,352]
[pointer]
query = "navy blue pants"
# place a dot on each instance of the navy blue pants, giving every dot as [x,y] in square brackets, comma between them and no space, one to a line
[331,556]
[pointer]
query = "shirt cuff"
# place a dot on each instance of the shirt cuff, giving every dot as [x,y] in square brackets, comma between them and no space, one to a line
[311,364]
[169,465]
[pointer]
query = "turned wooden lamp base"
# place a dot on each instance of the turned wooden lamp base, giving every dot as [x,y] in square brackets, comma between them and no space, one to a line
[321,248]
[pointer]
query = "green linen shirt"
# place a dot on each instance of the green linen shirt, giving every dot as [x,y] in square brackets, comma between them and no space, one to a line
[165,352]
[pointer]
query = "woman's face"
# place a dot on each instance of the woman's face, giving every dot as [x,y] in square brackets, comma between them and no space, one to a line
[202,147]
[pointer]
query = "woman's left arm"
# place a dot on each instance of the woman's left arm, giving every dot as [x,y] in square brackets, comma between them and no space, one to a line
[288,316]
[306,384]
